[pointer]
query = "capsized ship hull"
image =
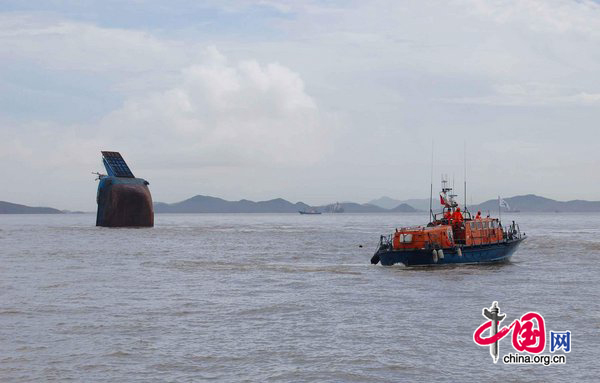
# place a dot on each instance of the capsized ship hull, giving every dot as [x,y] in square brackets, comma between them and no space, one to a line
[487,253]
[123,200]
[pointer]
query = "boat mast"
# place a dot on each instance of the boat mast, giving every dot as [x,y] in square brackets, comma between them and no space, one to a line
[452,194]
[448,194]
[465,160]
[431,187]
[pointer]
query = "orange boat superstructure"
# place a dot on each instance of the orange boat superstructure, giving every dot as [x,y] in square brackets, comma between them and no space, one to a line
[471,232]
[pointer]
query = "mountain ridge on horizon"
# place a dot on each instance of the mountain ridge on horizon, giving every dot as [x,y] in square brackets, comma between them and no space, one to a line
[209,204]
[15,208]
[535,203]
[389,203]
[526,203]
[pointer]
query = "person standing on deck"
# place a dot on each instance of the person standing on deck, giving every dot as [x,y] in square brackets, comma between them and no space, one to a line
[448,215]
[457,216]
[478,216]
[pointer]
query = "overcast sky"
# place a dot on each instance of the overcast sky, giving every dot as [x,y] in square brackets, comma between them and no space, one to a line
[312,101]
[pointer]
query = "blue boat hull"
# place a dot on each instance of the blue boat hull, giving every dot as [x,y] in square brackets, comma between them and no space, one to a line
[491,253]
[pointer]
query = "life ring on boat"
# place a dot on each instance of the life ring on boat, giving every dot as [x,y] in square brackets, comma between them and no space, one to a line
[440,254]
[435,255]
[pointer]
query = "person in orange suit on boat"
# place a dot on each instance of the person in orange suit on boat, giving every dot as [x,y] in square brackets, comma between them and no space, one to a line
[478,216]
[457,216]
[448,215]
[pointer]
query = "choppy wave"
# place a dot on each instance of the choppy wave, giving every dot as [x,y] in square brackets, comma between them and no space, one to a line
[277,298]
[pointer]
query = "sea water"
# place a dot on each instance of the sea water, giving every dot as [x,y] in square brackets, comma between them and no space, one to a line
[280,298]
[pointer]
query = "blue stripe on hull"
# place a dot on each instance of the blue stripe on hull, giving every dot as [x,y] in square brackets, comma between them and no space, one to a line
[498,252]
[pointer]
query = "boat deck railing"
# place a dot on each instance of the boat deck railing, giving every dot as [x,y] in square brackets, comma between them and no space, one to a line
[513,231]
[385,242]
[510,233]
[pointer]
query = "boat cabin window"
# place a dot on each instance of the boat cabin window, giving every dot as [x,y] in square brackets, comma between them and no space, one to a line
[485,225]
[494,224]
[472,225]
[479,226]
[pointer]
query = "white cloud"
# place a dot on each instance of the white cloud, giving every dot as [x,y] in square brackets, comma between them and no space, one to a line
[215,112]
[396,73]
[76,46]
[236,113]
[531,94]
[554,17]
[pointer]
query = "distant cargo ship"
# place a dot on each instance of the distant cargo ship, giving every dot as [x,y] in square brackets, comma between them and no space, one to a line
[309,211]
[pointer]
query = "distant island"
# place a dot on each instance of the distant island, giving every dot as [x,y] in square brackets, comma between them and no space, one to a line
[534,203]
[206,204]
[13,208]
[523,203]
[390,203]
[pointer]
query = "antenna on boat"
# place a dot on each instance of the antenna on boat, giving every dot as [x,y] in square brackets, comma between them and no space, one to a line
[465,160]
[453,194]
[431,187]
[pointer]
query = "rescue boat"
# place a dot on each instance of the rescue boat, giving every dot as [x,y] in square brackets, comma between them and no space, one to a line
[450,239]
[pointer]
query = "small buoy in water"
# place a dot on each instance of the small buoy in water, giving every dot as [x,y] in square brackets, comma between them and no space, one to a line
[435,256]
[459,251]
[359,245]
[440,254]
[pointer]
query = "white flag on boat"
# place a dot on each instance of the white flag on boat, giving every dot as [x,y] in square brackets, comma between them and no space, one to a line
[503,203]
